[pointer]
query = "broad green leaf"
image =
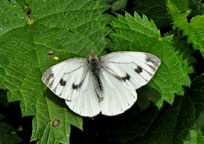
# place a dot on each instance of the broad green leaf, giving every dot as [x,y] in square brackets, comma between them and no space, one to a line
[170,125]
[193,29]
[140,34]
[68,28]
[196,137]
[154,9]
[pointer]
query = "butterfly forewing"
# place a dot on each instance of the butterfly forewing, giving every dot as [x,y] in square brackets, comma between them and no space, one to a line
[62,78]
[138,67]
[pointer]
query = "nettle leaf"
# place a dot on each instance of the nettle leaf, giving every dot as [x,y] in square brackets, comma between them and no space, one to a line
[195,33]
[181,44]
[117,5]
[154,9]
[196,137]
[68,28]
[193,29]
[140,34]
[196,6]
[170,125]
[8,134]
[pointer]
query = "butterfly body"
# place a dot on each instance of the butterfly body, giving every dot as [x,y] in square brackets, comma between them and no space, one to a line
[104,85]
[95,67]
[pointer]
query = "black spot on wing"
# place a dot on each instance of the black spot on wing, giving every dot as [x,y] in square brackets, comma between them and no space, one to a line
[138,70]
[62,82]
[153,59]
[127,77]
[76,86]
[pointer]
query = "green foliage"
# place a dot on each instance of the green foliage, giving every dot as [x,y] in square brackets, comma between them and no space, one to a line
[155,9]
[170,125]
[196,137]
[165,113]
[7,133]
[194,30]
[117,5]
[24,45]
[197,7]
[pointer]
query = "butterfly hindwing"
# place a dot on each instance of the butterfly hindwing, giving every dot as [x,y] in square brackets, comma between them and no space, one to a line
[87,103]
[117,97]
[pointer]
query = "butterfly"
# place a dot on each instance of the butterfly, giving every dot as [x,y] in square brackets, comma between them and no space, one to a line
[104,85]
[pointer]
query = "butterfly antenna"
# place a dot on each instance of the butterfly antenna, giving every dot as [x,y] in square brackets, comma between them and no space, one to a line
[94,50]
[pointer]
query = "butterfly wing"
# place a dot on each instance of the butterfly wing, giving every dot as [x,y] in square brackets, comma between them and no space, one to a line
[117,97]
[87,104]
[72,81]
[121,74]
[62,77]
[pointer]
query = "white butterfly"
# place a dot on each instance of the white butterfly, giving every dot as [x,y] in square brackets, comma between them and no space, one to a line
[107,84]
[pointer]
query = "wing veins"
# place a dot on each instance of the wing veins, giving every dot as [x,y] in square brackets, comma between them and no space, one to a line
[135,64]
[124,77]
[127,77]
[69,73]
[76,69]
[81,82]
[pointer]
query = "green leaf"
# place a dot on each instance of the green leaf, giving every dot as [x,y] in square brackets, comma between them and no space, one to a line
[154,9]
[170,125]
[181,44]
[196,6]
[140,34]
[194,30]
[8,134]
[68,28]
[117,5]
[195,33]
[196,137]
[179,12]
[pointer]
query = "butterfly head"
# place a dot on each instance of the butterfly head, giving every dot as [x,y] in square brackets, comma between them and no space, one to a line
[92,55]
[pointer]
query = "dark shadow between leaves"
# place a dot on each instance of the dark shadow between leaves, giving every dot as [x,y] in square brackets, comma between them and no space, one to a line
[123,128]
[146,95]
